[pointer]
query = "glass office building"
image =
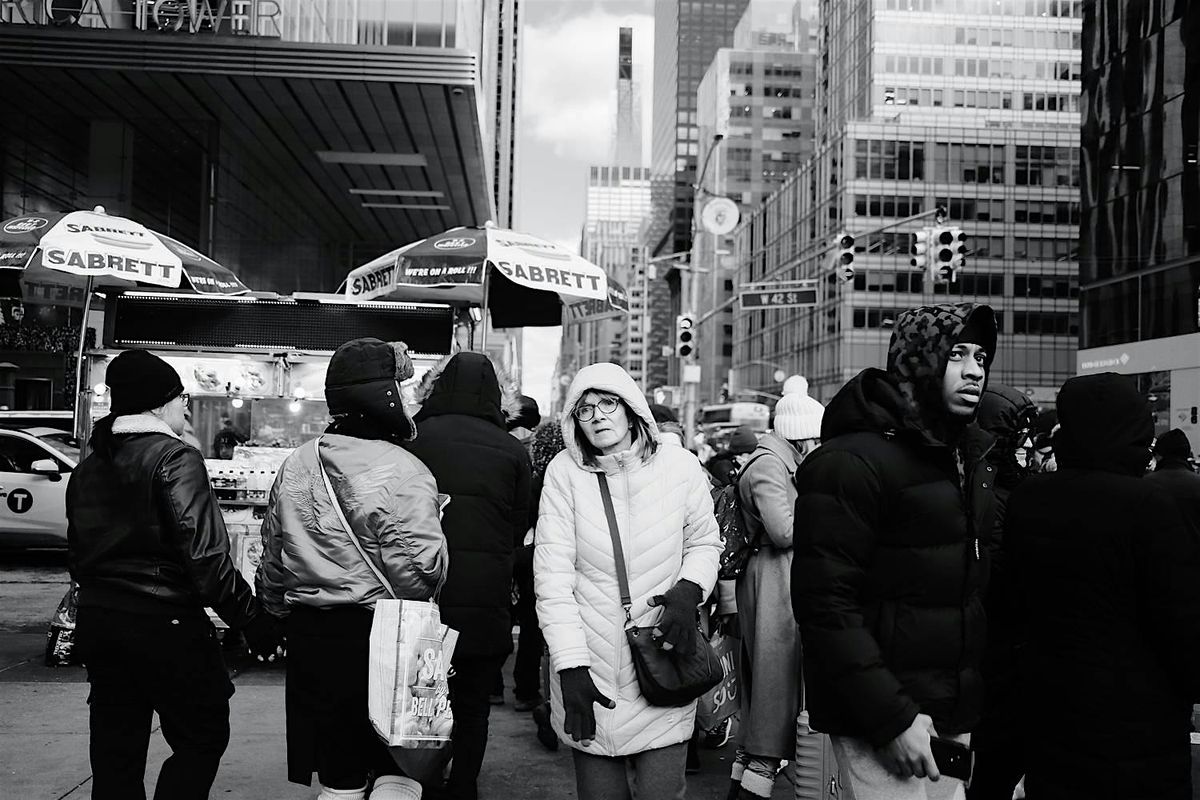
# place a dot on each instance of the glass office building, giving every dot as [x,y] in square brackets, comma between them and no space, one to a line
[1139,268]
[966,104]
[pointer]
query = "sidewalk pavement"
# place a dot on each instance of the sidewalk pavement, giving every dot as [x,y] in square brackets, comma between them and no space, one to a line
[44,741]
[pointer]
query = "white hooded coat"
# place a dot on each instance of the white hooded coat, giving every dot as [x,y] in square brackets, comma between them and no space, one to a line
[665,517]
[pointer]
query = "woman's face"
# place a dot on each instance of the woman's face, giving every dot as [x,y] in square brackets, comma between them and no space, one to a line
[607,431]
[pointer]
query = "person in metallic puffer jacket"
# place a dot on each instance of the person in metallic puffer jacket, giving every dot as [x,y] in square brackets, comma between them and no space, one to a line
[313,576]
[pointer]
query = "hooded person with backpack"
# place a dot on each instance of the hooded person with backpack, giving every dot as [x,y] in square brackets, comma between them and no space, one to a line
[769,664]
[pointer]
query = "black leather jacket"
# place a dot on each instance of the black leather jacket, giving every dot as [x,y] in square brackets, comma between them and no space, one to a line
[145,533]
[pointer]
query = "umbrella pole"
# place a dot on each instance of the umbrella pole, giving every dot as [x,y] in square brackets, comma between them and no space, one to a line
[80,394]
[483,316]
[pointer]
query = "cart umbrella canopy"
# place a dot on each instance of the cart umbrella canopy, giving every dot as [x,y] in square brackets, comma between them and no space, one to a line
[111,251]
[522,280]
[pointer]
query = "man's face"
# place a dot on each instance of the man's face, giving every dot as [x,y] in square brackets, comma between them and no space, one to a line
[962,383]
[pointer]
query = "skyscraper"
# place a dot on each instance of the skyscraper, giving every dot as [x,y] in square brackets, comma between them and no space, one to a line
[617,204]
[1139,265]
[506,109]
[758,98]
[973,106]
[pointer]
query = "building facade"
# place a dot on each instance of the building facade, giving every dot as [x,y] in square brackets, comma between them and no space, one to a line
[756,127]
[966,104]
[1139,268]
[332,132]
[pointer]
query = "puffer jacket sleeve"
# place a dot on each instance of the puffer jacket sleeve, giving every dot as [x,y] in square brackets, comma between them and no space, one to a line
[554,575]
[411,543]
[200,537]
[836,528]
[701,534]
[268,580]
[766,481]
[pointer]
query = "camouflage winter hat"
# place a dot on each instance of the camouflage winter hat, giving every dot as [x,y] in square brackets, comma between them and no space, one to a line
[920,349]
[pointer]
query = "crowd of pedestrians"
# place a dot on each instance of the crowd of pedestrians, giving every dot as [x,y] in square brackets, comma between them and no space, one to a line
[959,594]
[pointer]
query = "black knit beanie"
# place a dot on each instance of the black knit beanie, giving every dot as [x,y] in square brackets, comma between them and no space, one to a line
[140,381]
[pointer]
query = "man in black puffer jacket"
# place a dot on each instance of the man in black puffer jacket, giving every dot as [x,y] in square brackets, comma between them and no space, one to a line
[148,547]
[1106,585]
[891,525]
[462,438]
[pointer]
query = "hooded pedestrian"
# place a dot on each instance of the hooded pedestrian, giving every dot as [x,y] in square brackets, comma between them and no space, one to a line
[1175,473]
[664,517]
[1107,606]
[462,438]
[891,525]
[770,663]
[324,584]
[148,547]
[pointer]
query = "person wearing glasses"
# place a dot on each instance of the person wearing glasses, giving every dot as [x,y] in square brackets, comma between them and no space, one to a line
[622,746]
[148,547]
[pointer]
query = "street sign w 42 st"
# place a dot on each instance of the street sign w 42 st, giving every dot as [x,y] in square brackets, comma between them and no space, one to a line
[794,296]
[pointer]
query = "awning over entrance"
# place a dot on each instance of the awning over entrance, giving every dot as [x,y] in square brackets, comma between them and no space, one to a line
[291,163]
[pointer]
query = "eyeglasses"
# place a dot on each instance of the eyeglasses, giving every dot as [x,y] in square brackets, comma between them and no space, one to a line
[585,411]
[186,398]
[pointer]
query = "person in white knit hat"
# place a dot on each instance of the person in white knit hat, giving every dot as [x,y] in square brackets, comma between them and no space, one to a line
[770,650]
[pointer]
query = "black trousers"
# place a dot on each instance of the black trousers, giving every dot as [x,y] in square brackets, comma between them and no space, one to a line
[527,678]
[139,664]
[470,686]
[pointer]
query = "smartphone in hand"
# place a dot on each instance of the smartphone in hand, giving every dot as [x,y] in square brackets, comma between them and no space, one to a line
[953,759]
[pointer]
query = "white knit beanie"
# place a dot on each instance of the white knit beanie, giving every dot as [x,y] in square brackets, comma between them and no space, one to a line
[798,416]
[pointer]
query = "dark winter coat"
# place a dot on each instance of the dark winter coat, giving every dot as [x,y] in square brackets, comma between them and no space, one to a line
[1105,577]
[1177,478]
[890,542]
[461,437]
[145,533]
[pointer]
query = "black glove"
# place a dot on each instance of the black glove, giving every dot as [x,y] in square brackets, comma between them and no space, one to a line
[578,694]
[264,637]
[680,614]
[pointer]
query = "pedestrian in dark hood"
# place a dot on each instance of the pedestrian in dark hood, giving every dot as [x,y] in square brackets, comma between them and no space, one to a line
[1107,607]
[1175,473]
[891,521]
[462,437]
[148,547]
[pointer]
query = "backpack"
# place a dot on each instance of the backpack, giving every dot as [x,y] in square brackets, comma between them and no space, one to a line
[740,544]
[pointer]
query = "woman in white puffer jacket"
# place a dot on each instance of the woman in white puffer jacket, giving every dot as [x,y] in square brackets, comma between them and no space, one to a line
[672,547]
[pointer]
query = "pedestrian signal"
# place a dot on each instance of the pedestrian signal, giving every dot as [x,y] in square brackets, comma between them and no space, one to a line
[685,335]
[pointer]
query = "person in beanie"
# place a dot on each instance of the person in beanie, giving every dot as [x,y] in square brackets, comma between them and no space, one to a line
[148,547]
[622,746]
[724,466]
[769,660]
[893,514]
[317,580]
[1107,607]
[1175,473]
[486,472]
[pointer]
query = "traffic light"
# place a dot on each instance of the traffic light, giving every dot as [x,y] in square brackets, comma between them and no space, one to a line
[920,249]
[940,269]
[685,335]
[958,249]
[843,261]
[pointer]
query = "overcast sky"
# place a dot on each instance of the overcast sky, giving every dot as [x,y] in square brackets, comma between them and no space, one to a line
[568,119]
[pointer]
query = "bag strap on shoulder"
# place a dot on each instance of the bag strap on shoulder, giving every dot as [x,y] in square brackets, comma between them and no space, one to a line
[618,550]
[337,507]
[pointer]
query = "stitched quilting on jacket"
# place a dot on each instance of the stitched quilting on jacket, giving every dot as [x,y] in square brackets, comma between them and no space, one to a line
[891,531]
[390,500]
[665,515]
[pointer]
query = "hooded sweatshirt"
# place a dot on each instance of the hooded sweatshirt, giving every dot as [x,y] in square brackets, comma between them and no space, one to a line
[892,517]
[462,439]
[665,519]
[1107,606]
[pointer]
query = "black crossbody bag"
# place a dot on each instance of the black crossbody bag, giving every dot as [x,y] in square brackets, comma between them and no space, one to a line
[665,677]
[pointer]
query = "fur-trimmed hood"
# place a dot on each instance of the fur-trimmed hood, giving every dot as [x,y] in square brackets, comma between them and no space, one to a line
[467,383]
[603,377]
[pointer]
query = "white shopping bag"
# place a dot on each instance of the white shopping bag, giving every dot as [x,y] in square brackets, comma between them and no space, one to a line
[409,697]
